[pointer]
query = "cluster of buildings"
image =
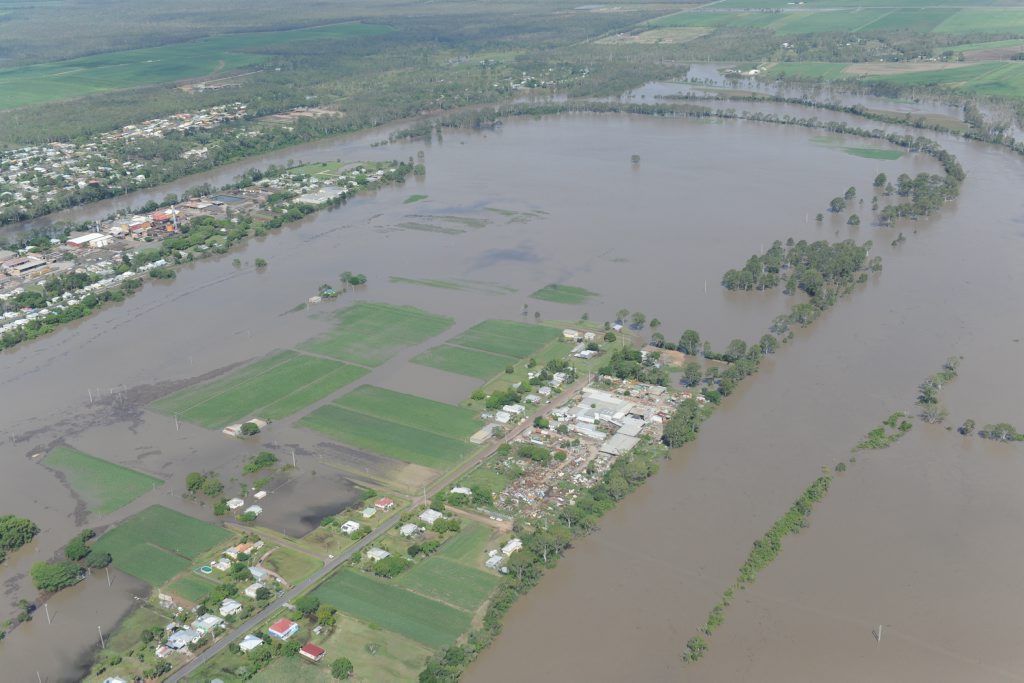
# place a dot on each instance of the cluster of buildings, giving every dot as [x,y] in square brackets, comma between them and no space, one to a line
[602,424]
[40,174]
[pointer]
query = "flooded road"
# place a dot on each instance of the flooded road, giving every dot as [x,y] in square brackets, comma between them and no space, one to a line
[554,200]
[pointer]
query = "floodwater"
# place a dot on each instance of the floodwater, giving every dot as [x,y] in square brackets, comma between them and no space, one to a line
[554,200]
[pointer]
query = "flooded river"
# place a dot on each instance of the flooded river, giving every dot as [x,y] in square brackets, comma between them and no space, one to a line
[558,200]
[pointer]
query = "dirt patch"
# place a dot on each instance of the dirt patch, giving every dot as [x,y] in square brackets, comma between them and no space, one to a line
[672,358]
[893,69]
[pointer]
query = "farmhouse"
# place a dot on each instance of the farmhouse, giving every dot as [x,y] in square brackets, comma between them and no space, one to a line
[384,504]
[512,546]
[369,512]
[235,503]
[409,530]
[223,564]
[464,490]
[259,573]
[283,629]
[350,527]
[254,509]
[229,606]
[250,642]
[312,652]
[207,623]
[377,554]
[430,516]
[182,638]
[250,591]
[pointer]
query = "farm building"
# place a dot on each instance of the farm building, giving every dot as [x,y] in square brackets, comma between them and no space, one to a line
[182,638]
[377,554]
[283,629]
[259,573]
[512,546]
[409,530]
[312,652]
[483,434]
[207,623]
[350,527]
[235,503]
[464,490]
[430,516]
[369,512]
[250,642]
[250,591]
[619,444]
[254,509]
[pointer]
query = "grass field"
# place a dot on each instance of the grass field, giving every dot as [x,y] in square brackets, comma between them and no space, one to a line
[158,543]
[987,20]
[271,388]
[450,582]
[103,486]
[810,70]
[872,153]
[370,334]
[54,81]
[469,362]
[468,546]
[191,587]
[292,565]
[412,411]
[386,437]
[396,658]
[991,45]
[373,601]
[563,294]
[506,338]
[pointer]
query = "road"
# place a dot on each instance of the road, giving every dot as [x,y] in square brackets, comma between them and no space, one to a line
[443,482]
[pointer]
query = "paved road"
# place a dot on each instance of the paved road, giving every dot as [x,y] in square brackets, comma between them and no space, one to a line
[252,622]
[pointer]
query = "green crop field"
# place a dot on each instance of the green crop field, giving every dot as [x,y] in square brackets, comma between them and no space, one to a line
[395,609]
[158,543]
[469,362]
[810,70]
[53,81]
[271,388]
[451,582]
[563,294]
[385,437]
[827,22]
[468,546]
[506,338]
[917,20]
[191,587]
[292,565]
[991,45]
[716,20]
[987,20]
[370,334]
[1003,79]
[103,486]
[872,153]
[412,411]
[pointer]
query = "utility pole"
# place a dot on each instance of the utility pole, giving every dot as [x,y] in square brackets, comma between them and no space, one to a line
[90,395]
[103,645]
[293,458]
[46,607]
[107,570]
[878,634]
[176,426]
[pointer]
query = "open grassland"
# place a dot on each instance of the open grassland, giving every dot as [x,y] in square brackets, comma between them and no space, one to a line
[191,587]
[990,45]
[827,22]
[370,334]
[375,602]
[103,486]
[158,543]
[386,437]
[469,545]
[271,388]
[563,294]
[469,362]
[987,20]
[394,658]
[506,338]
[450,582]
[71,78]
[291,565]
[412,411]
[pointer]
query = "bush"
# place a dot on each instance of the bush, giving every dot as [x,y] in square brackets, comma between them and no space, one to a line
[391,566]
[250,429]
[341,668]
[55,576]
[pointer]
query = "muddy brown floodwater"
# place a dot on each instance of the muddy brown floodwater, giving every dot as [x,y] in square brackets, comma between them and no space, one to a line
[557,200]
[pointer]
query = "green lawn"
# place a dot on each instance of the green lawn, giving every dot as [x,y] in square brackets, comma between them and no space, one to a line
[370,334]
[469,362]
[468,546]
[412,411]
[191,587]
[450,582]
[158,543]
[373,601]
[563,294]
[387,438]
[272,388]
[292,565]
[103,486]
[506,338]
[63,80]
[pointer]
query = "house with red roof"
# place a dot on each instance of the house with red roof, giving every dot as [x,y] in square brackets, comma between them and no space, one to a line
[384,504]
[283,629]
[312,652]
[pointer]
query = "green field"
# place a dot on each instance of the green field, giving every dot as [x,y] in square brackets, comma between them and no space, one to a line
[191,587]
[373,601]
[987,20]
[158,543]
[873,153]
[103,486]
[827,22]
[469,362]
[53,81]
[519,340]
[271,389]
[810,70]
[370,334]
[291,565]
[412,411]
[450,582]
[468,546]
[563,294]
[386,437]
[971,47]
